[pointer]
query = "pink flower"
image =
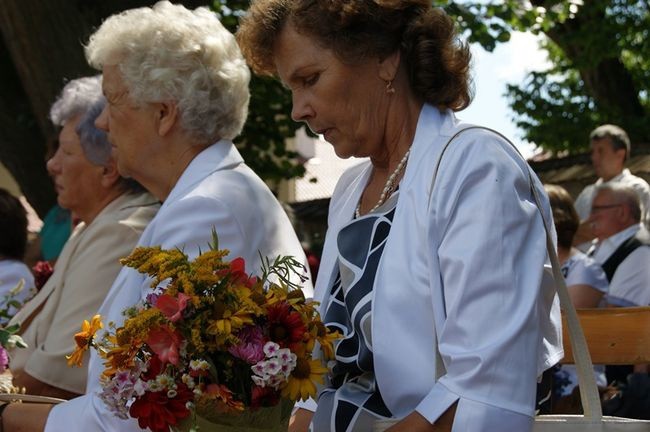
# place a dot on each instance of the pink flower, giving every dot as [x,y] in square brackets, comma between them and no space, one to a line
[251,345]
[172,307]
[4,359]
[165,342]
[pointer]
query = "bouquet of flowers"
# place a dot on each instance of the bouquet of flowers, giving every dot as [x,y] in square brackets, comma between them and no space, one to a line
[212,345]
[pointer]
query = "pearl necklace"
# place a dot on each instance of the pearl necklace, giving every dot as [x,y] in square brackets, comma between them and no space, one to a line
[389,187]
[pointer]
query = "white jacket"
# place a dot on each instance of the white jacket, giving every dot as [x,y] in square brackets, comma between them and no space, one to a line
[468,261]
[216,190]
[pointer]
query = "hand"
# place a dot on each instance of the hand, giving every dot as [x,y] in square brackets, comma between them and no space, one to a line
[299,422]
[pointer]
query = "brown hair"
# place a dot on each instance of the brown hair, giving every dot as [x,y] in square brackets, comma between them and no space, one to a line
[564,214]
[438,63]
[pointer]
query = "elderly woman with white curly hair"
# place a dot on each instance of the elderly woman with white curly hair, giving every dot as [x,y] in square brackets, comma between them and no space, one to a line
[177,91]
[113,212]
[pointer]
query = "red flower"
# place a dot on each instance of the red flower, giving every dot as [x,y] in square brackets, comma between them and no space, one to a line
[42,272]
[157,411]
[264,397]
[165,342]
[237,273]
[172,307]
[286,326]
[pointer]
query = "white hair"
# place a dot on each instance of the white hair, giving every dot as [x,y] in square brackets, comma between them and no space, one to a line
[76,98]
[168,52]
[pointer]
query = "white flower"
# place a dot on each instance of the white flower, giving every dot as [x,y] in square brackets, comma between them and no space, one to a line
[140,387]
[259,381]
[171,393]
[188,381]
[259,368]
[14,341]
[287,357]
[164,381]
[272,367]
[275,381]
[154,386]
[271,348]
[199,365]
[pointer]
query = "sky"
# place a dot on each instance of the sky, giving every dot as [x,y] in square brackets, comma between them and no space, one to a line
[508,63]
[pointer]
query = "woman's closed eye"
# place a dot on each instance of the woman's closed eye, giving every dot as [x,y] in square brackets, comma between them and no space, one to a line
[310,80]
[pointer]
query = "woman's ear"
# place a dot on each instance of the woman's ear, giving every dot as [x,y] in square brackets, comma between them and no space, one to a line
[110,175]
[166,115]
[388,66]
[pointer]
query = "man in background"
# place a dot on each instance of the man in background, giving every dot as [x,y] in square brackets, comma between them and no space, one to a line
[610,149]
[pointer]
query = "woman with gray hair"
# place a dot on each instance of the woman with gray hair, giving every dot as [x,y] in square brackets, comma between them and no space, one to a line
[177,91]
[113,212]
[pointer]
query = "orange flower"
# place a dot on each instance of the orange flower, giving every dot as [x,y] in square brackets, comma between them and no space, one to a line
[84,340]
[119,357]
[222,394]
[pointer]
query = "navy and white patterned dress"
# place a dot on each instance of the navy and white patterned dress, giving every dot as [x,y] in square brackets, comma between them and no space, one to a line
[351,401]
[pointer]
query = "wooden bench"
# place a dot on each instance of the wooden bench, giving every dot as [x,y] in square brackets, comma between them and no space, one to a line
[615,336]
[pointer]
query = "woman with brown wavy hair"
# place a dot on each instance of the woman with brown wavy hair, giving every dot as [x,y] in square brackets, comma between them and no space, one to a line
[437,291]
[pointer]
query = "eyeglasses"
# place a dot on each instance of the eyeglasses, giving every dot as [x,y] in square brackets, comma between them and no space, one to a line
[597,208]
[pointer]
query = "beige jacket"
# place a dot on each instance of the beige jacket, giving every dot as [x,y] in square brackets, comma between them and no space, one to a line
[84,272]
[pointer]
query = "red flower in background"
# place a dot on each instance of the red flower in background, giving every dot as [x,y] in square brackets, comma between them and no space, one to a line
[42,271]
[286,326]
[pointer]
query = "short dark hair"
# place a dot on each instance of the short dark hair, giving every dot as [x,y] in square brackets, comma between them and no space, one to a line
[13,226]
[617,136]
[565,215]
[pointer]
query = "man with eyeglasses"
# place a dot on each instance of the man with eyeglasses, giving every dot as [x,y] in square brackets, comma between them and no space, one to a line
[610,149]
[622,247]
[622,244]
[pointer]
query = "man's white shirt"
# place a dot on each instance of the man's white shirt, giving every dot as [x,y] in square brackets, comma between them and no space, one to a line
[630,284]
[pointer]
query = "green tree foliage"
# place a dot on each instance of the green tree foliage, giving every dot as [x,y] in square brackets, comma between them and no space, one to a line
[263,140]
[600,73]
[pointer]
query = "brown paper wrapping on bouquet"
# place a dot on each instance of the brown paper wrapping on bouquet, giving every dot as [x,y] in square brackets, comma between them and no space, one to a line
[270,419]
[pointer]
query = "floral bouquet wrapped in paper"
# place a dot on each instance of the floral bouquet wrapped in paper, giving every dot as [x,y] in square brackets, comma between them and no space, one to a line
[215,349]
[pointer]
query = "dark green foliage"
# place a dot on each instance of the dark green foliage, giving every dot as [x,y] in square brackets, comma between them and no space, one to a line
[262,142]
[601,64]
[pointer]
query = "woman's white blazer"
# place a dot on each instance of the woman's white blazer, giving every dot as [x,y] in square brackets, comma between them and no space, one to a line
[217,190]
[464,265]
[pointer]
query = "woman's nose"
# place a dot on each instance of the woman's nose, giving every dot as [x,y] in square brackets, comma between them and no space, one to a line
[301,110]
[52,164]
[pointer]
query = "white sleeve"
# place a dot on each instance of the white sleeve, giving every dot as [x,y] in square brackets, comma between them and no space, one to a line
[491,251]
[630,285]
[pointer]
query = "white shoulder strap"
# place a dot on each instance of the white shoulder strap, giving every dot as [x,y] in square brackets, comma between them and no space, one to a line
[588,389]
